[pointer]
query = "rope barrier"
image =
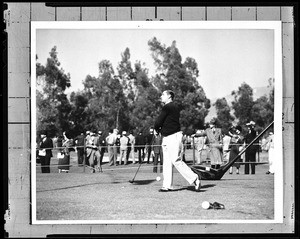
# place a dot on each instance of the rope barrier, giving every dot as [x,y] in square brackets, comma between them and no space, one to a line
[193,146]
[135,146]
[108,169]
[118,168]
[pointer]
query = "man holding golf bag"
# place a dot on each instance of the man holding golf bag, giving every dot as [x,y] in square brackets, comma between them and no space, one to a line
[168,125]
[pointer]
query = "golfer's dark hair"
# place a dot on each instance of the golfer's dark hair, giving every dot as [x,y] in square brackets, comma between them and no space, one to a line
[171,93]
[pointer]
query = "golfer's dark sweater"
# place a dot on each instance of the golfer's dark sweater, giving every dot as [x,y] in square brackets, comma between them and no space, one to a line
[167,122]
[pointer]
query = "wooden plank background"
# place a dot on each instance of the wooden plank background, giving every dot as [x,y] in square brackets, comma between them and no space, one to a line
[18,18]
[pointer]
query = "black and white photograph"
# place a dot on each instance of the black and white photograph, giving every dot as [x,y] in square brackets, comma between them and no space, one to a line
[156,122]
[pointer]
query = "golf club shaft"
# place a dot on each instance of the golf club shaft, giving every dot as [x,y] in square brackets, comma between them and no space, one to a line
[217,174]
[229,164]
[136,173]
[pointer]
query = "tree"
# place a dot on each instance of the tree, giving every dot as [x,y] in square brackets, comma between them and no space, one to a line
[79,113]
[243,103]
[106,106]
[53,106]
[126,75]
[224,118]
[263,108]
[146,104]
[261,111]
[127,78]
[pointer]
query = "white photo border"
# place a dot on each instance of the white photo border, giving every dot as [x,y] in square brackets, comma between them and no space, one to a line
[201,25]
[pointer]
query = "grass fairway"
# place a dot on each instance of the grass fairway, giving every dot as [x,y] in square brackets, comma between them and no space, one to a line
[80,195]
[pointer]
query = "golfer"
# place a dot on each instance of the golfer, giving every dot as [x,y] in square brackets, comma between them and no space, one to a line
[168,125]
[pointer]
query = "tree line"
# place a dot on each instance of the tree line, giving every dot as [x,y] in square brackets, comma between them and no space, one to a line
[128,98]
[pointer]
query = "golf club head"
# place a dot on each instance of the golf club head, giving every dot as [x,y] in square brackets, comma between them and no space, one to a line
[131,181]
[207,173]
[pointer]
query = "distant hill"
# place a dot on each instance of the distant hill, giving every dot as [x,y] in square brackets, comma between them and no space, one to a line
[257,93]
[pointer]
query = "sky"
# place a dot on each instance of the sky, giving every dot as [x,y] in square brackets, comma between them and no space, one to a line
[225,58]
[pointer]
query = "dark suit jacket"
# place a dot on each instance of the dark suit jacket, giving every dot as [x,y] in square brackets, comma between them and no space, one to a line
[140,141]
[249,138]
[80,140]
[149,138]
[48,145]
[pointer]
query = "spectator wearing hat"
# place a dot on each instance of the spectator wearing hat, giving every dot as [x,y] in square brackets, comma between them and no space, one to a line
[96,150]
[92,152]
[45,152]
[111,140]
[235,147]
[250,154]
[87,135]
[124,141]
[271,153]
[214,141]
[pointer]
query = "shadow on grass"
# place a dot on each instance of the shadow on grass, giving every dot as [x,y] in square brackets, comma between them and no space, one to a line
[237,179]
[143,182]
[192,188]
[138,182]
[76,186]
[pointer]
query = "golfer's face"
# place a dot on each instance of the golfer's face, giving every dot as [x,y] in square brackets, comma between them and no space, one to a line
[164,97]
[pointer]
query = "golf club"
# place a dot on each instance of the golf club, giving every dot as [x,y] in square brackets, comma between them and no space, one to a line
[131,181]
[208,173]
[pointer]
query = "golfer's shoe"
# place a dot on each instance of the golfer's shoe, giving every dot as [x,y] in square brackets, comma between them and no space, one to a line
[163,190]
[197,184]
[166,190]
[217,205]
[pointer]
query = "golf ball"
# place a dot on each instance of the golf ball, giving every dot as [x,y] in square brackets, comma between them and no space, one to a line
[205,205]
[157,178]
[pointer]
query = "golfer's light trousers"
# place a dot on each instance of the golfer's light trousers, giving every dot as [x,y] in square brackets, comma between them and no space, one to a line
[172,146]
